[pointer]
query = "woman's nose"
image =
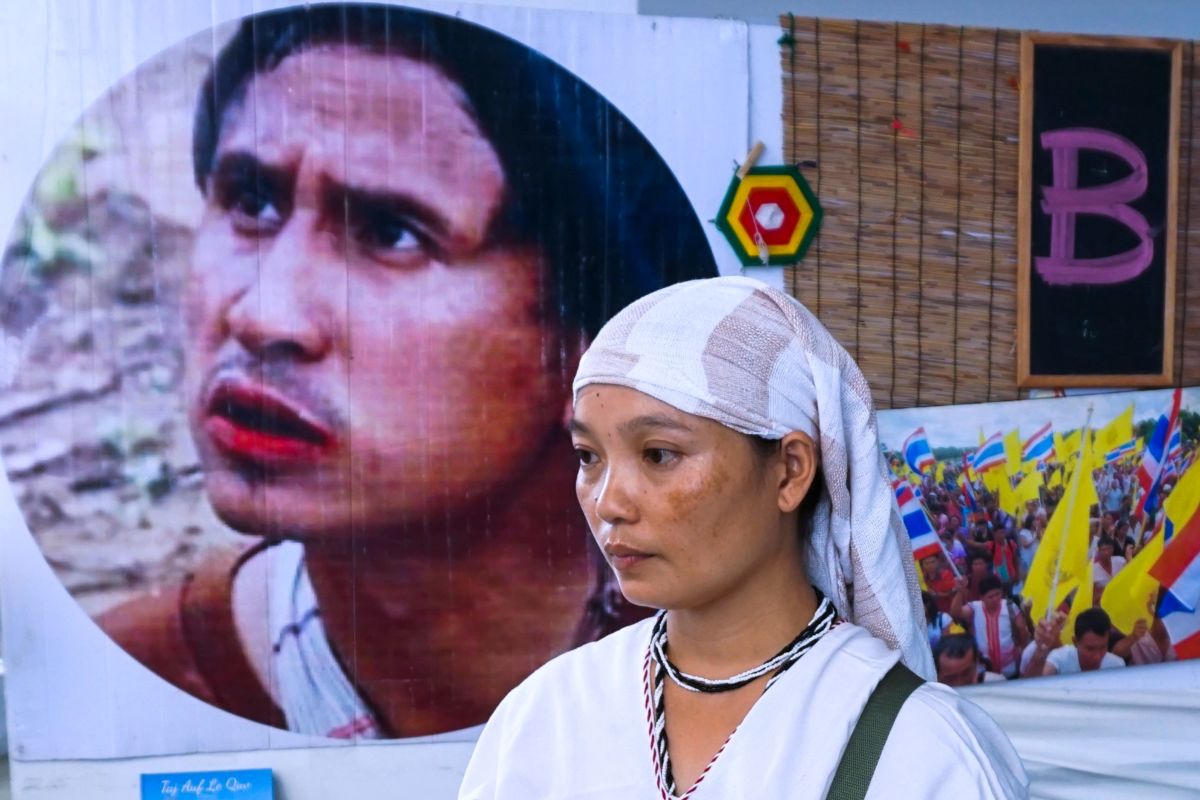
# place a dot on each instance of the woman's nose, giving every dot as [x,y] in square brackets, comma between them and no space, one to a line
[614,498]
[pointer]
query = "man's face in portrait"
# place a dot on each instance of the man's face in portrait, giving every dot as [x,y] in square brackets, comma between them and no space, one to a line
[363,350]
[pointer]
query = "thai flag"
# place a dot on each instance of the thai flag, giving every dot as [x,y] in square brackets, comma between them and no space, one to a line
[917,453]
[1040,446]
[972,502]
[1175,444]
[1150,471]
[915,483]
[968,493]
[990,454]
[1174,451]
[1117,453]
[920,531]
[1178,570]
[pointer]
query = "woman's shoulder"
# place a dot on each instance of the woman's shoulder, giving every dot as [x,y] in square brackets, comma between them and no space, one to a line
[566,724]
[963,751]
[618,654]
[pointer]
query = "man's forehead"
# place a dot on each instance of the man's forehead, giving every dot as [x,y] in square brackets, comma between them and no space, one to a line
[385,124]
[356,99]
[333,69]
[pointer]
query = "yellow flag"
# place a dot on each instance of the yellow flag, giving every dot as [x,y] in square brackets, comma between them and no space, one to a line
[939,474]
[1007,496]
[1088,496]
[1060,447]
[1028,489]
[1183,500]
[1115,433]
[1064,545]
[1128,596]
[994,479]
[1070,445]
[1055,479]
[1013,450]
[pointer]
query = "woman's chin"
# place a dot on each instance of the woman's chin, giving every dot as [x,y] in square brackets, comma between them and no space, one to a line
[639,594]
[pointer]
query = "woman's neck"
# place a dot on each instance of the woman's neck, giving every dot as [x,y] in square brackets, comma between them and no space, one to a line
[747,625]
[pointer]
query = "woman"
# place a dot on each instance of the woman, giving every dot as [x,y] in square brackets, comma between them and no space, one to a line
[939,581]
[776,548]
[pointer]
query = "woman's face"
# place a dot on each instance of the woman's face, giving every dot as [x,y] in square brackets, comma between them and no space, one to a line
[684,510]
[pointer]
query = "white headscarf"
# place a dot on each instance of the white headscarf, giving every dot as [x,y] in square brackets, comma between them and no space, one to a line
[754,359]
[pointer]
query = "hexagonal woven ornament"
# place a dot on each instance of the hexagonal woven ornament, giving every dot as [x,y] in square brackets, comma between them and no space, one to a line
[770,216]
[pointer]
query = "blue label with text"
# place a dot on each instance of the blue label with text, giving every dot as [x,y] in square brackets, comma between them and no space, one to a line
[245,784]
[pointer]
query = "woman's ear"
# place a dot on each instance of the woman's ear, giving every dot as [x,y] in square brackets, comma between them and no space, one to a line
[800,462]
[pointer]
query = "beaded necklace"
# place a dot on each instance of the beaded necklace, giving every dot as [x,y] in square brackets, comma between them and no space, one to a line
[659,667]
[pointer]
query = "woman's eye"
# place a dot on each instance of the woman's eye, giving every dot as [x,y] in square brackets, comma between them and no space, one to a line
[660,455]
[586,457]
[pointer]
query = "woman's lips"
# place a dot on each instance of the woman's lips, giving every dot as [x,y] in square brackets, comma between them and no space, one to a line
[250,422]
[623,558]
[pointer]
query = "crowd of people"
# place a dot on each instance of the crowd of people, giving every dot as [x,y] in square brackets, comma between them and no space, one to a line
[980,629]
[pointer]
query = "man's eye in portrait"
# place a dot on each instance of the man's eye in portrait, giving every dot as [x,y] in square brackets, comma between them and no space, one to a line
[380,229]
[254,198]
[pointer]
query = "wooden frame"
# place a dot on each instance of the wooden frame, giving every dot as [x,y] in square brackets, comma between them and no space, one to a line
[1025,198]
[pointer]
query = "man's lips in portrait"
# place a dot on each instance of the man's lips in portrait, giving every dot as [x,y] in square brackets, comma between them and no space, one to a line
[252,422]
[623,557]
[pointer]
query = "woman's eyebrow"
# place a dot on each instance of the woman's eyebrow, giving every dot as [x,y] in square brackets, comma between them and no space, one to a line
[636,425]
[653,421]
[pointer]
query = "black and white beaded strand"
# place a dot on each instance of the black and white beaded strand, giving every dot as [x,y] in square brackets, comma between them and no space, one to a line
[659,667]
[821,622]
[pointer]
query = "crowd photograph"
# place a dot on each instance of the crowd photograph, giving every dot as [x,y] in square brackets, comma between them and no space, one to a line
[1050,547]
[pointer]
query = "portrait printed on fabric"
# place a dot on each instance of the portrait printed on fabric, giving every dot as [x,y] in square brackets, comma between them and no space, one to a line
[298,304]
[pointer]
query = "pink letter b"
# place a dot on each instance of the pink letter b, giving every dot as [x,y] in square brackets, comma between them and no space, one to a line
[1064,200]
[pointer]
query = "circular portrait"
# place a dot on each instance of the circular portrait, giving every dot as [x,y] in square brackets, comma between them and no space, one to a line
[297,306]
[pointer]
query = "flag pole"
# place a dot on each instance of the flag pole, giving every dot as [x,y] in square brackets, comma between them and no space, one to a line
[949,558]
[1062,540]
[941,544]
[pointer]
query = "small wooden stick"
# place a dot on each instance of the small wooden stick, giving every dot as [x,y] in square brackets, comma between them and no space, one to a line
[751,159]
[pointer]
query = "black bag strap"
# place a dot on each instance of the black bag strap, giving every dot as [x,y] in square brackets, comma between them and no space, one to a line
[857,767]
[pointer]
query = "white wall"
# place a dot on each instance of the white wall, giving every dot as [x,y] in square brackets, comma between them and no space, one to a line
[1171,18]
[609,6]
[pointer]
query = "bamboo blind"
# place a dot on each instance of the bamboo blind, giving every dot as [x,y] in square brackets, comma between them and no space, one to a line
[908,135]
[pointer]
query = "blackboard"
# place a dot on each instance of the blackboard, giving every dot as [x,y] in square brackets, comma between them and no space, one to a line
[1098,182]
